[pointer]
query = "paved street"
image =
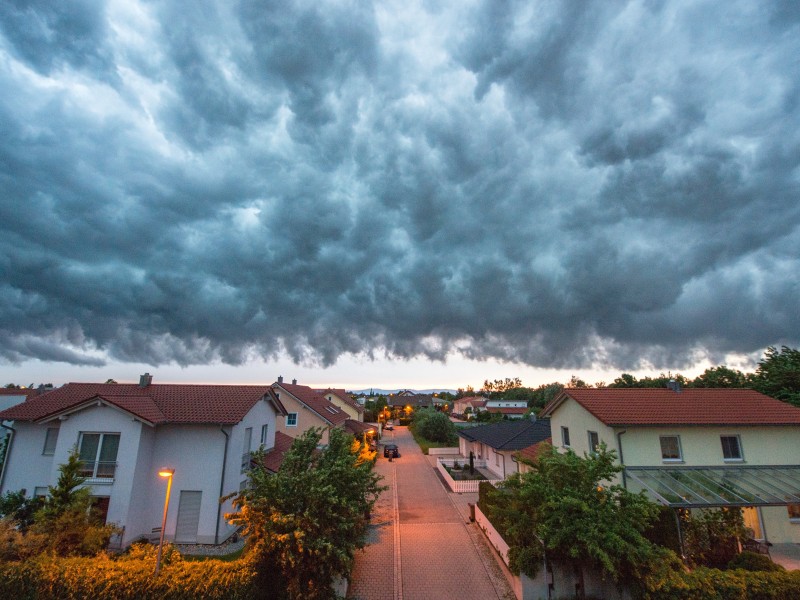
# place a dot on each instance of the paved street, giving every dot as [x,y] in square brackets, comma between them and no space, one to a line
[421,545]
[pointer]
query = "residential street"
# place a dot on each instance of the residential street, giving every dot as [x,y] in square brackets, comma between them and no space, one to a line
[421,544]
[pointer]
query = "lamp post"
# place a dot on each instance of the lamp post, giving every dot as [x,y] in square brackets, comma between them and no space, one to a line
[168,473]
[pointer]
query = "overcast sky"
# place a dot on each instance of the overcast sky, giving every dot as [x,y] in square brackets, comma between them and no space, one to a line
[229,190]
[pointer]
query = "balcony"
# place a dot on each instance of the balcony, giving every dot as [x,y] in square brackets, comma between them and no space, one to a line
[98,471]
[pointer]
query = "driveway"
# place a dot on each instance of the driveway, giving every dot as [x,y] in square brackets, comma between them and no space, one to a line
[421,545]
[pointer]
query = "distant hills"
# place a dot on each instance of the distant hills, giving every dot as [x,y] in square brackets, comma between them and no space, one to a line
[378,391]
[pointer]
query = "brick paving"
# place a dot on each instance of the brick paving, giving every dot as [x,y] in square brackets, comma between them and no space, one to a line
[422,546]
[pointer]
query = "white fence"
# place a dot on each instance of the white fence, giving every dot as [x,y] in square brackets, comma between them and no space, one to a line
[462,486]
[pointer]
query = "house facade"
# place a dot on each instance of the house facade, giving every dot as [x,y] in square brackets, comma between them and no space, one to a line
[126,433]
[344,401]
[694,448]
[498,443]
[306,408]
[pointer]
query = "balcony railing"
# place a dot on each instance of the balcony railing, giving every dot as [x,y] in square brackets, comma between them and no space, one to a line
[101,469]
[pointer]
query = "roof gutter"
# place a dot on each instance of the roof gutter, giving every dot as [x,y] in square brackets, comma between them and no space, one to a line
[221,483]
[8,451]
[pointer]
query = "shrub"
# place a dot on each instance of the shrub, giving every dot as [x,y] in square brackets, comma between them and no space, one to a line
[751,561]
[713,584]
[102,577]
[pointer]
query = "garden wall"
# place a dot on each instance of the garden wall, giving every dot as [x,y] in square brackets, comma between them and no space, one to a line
[443,451]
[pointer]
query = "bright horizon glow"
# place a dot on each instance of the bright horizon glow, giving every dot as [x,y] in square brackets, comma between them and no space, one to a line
[350,372]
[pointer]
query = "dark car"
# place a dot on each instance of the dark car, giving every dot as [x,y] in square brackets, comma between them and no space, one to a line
[391,451]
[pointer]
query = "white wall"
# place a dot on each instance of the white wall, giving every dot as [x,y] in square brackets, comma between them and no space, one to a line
[27,468]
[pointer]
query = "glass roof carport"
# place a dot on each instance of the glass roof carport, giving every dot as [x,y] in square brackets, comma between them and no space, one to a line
[708,487]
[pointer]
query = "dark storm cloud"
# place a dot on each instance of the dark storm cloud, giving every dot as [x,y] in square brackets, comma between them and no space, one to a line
[564,185]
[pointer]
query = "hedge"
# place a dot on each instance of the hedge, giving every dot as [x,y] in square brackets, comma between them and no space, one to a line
[713,584]
[77,578]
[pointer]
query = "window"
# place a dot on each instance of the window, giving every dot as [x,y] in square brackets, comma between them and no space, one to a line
[264,434]
[40,491]
[594,441]
[50,439]
[731,447]
[565,437]
[794,512]
[98,454]
[497,460]
[246,445]
[671,448]
[291,420]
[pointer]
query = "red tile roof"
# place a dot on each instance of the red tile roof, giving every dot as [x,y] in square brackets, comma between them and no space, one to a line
[690,406]
[274,458]
[315,401]
[156,403]
[532,451]
[358,428]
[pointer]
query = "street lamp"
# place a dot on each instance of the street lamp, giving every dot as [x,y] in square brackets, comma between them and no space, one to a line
[168,473]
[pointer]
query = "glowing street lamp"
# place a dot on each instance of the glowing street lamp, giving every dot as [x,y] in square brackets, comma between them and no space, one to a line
[168,473]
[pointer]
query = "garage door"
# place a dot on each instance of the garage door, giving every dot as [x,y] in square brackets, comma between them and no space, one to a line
[188,517]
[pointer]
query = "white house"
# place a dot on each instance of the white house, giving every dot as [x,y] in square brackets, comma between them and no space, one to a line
[126,433]
[694,448]
[498,443]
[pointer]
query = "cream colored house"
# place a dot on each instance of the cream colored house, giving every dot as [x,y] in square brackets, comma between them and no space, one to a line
[306,408]
[694,448]
[344,401]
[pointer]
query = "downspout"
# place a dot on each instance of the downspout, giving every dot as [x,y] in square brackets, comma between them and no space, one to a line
[8,451]
[221,483]
[622,458]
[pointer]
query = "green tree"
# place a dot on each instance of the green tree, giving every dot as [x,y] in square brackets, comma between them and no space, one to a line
[566,508]
[544,394]
[19,508]
[305,522]
[720,377]
[778,374]
[434,426]
[67,524]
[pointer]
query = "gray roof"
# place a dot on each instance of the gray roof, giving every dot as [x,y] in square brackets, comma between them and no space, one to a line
[508,435]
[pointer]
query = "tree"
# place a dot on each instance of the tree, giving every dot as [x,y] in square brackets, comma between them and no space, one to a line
[544,394]
[720,377]
[498,387]
[778,374]
[67,524]
[434,426]
[20,509]
[567,509]
[305,522]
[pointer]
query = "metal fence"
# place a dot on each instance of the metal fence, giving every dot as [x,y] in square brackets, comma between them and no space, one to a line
[462,486]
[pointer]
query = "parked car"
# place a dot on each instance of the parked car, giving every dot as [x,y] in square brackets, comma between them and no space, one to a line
[391,450]
[388,427]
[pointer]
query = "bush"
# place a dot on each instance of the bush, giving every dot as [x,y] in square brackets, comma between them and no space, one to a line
[751,561]
[713,584]
[102,577]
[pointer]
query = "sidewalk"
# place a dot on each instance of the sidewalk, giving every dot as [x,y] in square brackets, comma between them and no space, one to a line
[421,544]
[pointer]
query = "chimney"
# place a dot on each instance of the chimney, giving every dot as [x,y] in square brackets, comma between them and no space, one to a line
[294,381]
[532,417]
[674,385]
[280,378]
[145,380]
